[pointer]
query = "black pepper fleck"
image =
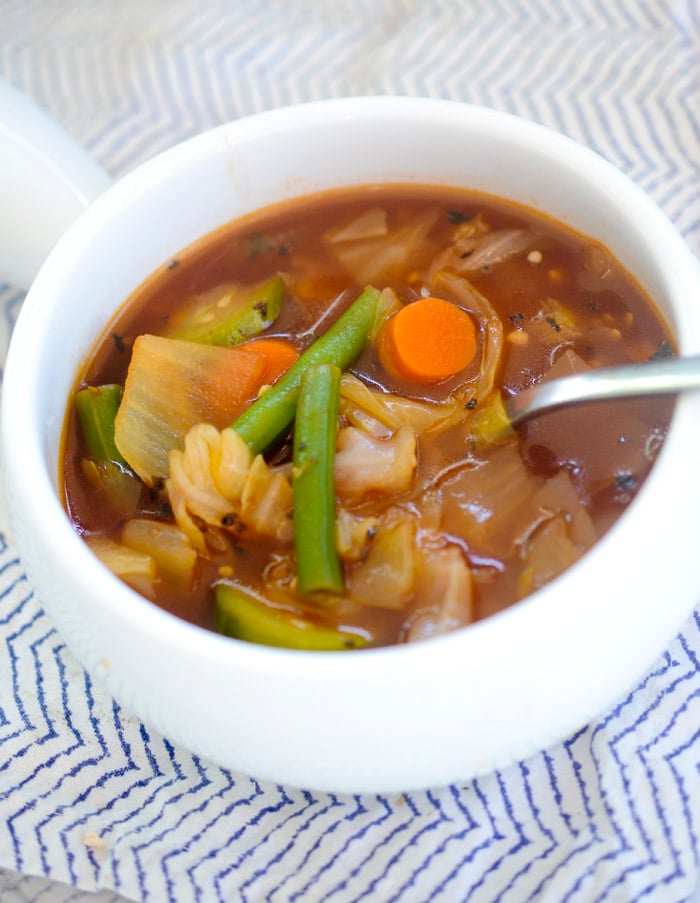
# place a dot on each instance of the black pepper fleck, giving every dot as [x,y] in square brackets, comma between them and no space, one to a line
[233,520]
[625,481]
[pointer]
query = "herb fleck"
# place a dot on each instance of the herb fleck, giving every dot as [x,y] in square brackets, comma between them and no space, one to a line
[173,263]
[457,216]
[664,351]
[553,323]
[119,342]
[258,244]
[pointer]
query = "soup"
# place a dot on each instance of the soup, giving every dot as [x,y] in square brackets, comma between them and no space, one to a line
[294,433]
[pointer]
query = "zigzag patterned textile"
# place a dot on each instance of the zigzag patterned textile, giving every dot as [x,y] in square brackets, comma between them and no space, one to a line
[92,805]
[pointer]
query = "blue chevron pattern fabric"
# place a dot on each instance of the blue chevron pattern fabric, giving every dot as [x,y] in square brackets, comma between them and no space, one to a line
[95,807]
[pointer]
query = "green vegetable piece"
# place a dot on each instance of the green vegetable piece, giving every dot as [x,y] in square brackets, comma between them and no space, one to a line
[229,320]
[491,423]
[96,407]
[116,484]
[241,615]
[315,428]
[265,421]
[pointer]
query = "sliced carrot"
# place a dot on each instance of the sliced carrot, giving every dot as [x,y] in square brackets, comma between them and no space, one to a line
[428,340]
[278,354]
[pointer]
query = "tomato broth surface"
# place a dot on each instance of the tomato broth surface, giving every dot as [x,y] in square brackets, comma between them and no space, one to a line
[438,514]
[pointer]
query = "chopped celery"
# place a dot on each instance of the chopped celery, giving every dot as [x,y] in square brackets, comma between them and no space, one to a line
[119,487]
[230,316]
[241,615]
[96,407]
[491,423]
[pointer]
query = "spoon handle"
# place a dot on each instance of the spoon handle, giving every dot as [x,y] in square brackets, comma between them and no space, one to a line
[660,377]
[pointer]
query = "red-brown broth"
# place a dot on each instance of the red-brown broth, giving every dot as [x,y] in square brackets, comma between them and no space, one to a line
[605,449]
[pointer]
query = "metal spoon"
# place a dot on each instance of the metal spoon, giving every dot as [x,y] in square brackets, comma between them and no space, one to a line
[660,377]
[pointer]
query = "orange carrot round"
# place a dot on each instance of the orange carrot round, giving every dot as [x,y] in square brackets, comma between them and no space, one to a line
[428,340]
[279,355]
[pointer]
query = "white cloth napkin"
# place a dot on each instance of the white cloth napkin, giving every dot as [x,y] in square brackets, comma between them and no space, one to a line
[89,798]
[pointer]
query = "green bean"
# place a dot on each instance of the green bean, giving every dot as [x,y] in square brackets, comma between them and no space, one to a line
[96,407]
[266,420]
[241,615]
[317,563]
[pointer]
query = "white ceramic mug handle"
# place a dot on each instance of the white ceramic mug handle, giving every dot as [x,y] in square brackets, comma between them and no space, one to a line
[47,181]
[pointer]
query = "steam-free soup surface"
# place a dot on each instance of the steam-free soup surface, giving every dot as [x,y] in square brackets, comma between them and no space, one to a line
[439,515]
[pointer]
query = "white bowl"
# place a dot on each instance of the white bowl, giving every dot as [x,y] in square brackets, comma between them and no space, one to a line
[387,719]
